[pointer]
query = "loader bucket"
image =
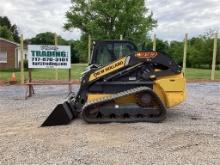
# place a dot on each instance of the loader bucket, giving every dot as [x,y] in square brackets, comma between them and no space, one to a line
[61,115]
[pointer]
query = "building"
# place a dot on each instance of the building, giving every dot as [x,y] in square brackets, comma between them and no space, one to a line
[10,54]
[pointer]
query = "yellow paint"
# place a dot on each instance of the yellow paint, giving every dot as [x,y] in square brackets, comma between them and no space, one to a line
[171,89]
[108,69]
[122,100]
[96,96]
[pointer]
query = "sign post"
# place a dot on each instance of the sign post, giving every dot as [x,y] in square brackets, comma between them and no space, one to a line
[22,60]
[56,43]
[214,56]
[185,52]
[31,89]
[70,87]
[48,56]
[154,42]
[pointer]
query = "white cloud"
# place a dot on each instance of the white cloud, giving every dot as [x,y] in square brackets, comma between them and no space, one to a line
[36,16]
[174,17]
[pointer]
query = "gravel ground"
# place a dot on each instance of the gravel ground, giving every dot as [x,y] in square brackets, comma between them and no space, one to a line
[189,135]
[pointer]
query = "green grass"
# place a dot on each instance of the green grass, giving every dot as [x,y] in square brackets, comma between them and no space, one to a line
[46,74]
[49,74]
[192,73]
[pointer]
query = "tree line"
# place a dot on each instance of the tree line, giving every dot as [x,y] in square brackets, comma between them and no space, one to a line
[130,18]
[199,54]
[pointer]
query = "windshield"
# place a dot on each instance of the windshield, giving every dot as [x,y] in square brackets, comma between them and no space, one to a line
[108,52]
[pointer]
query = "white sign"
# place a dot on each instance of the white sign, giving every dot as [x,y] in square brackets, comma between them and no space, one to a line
[49,56]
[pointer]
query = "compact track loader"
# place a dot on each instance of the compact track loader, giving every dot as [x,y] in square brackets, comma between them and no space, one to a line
[122,84]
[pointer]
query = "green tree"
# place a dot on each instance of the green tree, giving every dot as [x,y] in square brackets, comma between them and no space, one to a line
[162,45]
[6,28]
[200,51]
[74,45]
[4,21]
[5,33]
[109,19]
[199,54]
[15,34]
[176,51]
[48,38]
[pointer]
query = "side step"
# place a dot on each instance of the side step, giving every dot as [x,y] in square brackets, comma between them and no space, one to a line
[61,115]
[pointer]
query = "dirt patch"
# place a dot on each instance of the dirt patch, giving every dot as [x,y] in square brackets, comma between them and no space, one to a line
[189,135]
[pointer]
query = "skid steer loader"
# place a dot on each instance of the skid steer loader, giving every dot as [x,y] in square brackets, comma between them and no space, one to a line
[122,84]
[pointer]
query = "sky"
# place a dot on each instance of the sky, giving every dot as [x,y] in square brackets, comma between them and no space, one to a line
[175,17]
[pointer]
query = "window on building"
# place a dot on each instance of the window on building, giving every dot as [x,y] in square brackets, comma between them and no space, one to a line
[3,56]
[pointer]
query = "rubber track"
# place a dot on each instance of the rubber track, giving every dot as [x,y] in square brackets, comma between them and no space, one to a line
[122,94]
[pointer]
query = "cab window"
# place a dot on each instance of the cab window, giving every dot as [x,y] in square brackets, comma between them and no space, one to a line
[111,51]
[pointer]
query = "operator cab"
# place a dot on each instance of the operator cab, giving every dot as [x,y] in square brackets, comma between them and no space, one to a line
[105,52]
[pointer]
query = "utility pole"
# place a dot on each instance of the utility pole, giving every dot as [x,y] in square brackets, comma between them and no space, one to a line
[214,56]
[185,52]
[155,42]
[56,43]
[22,59]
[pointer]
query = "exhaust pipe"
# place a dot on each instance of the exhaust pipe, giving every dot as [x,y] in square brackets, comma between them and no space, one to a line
[62,114]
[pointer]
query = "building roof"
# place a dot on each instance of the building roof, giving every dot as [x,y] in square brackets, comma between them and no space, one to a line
[3,39]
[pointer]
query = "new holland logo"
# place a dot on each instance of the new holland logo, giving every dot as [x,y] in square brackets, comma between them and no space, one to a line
[108,69]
